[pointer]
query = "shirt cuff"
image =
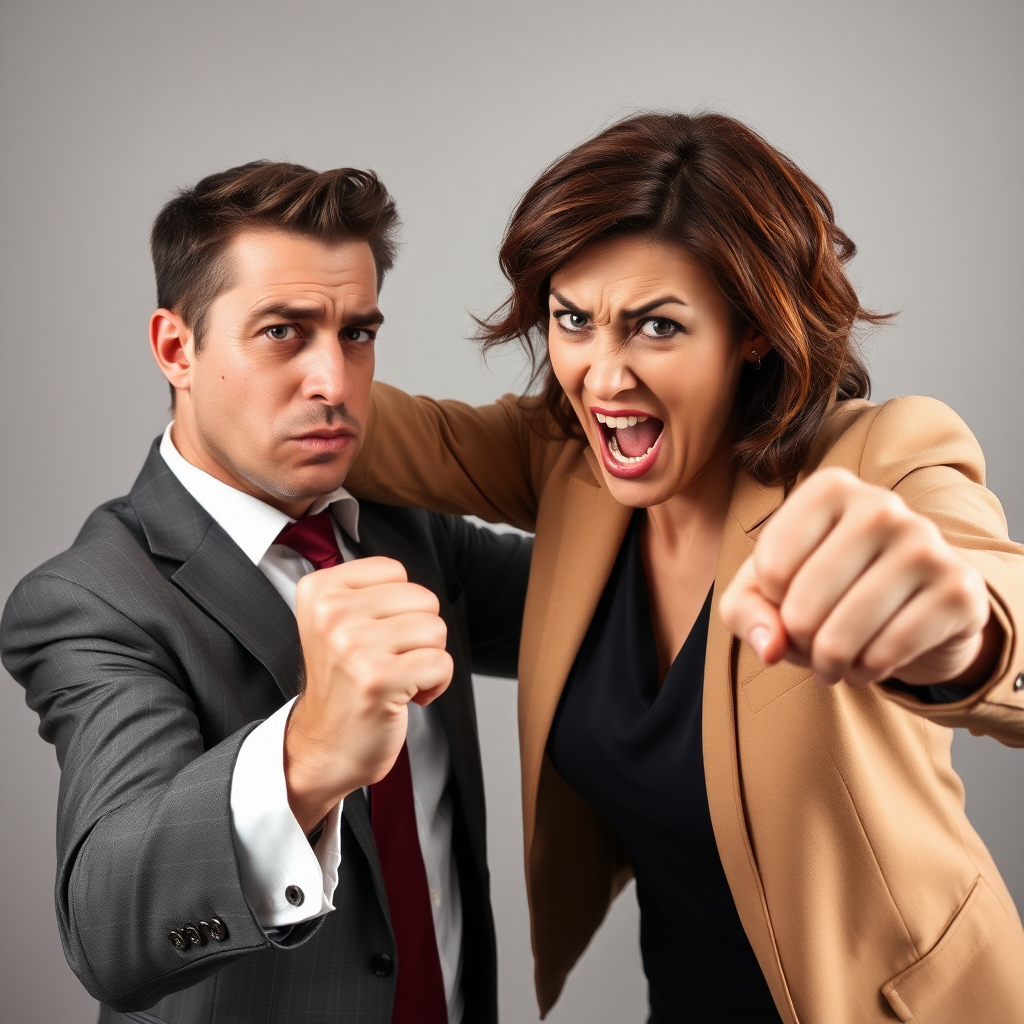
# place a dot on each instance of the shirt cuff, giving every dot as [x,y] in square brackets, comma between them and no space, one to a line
[284,879]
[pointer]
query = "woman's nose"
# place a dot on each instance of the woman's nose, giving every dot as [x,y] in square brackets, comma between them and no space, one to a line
[609,374]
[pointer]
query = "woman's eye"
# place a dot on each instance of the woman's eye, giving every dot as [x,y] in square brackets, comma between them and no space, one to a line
[571,321]
[357,334]
[281,332]
[657,327]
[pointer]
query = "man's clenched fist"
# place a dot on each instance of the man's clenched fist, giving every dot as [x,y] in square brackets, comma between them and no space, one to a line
[371,642]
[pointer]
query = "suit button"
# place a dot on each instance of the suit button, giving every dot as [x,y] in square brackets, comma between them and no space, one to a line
[381,964]
[1018,683]
[193,935]
[177,939]
[215,927]
[294,895]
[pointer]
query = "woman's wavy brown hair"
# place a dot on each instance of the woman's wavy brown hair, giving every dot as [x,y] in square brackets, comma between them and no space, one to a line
[750,217]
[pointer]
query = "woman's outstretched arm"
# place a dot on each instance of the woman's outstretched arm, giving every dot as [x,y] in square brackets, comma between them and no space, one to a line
[901,574]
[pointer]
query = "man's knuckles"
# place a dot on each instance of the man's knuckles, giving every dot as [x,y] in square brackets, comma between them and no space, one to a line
[356,575]
[365,572]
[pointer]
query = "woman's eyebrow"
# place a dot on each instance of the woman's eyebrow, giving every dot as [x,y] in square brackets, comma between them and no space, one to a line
[632,314]
[625,314]
[571,306]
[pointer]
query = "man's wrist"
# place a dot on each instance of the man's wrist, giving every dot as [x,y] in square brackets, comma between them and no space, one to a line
[311,775]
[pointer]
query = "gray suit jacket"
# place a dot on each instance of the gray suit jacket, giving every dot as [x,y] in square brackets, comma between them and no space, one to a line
[150,649]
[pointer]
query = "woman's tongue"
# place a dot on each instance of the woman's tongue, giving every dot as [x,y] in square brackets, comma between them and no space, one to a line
[634,441]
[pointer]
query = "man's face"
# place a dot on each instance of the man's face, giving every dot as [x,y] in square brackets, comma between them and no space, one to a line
[276,398]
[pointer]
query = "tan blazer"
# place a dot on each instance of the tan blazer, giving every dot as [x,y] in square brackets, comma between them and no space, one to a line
[865,892]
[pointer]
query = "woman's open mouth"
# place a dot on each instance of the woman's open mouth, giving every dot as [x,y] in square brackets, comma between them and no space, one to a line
[630,441]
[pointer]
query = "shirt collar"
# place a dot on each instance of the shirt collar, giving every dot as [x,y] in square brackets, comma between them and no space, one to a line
[252,524]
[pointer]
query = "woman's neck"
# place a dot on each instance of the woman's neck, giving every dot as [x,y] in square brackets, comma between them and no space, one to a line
[680,541]
[688,517]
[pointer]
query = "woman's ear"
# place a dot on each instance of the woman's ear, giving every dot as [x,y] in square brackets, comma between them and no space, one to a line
[755,345]
[173,347]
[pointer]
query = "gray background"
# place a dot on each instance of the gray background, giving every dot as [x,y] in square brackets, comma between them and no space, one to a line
[908,112]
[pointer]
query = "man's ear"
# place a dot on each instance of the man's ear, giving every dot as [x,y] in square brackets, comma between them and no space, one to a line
[173,347]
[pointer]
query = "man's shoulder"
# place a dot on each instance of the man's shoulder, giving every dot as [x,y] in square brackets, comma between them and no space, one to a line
[435,535]
[109,549]
[112,549]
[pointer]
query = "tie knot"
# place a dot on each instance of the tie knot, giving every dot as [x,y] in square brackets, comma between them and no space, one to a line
[313,538]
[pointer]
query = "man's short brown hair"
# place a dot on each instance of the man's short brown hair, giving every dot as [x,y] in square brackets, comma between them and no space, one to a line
[193,230]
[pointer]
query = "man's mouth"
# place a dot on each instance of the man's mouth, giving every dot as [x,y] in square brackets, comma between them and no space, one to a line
[327,440]
[630,441]
[329,432]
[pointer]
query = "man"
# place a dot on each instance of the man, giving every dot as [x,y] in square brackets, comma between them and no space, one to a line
[268,816]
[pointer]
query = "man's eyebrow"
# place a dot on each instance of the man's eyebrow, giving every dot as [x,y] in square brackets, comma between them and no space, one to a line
[625,314]
[309,314]
[370,318]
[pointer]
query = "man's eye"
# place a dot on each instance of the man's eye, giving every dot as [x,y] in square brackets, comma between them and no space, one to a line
[357,334]
[659,327]
[281,332]
[571,321]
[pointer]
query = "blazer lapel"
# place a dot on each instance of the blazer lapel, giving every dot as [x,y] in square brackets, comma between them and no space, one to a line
[579,531]
[751,504]
[216,574]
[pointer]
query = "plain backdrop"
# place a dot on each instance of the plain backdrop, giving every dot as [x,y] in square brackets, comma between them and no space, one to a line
[909,113]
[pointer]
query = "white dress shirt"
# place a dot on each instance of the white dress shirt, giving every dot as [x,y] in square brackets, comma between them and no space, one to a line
[273,852]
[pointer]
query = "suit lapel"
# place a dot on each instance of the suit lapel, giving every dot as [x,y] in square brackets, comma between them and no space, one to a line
[216,574]
[356,812]
[225,584]
[455,707]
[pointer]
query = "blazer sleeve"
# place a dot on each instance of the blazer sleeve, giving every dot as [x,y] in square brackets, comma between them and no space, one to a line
[448,456]
[923,451]
[144,842]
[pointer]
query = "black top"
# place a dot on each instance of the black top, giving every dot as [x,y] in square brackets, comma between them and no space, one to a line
[636,755]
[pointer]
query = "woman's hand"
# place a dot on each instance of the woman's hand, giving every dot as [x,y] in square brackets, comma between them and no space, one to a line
[846,579]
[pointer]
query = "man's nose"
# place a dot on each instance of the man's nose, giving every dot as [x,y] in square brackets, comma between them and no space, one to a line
[609,374]
[326,377]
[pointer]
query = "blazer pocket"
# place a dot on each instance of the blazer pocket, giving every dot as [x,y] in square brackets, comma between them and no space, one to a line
[761,684]
[915,989]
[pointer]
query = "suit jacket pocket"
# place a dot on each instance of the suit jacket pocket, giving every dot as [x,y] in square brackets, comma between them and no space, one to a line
[914,989]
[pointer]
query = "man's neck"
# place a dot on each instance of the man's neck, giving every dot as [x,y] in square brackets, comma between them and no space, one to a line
[191,449]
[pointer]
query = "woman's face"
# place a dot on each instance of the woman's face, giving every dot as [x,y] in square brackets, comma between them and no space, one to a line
[643,343]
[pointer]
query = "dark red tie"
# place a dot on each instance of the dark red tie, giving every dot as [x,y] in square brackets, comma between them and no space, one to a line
[313,538]
[419,989]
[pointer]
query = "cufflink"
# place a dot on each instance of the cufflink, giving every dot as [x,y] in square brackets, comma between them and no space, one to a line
[294,895]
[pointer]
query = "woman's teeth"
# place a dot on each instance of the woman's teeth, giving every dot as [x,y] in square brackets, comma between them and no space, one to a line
[613,447]
[619,422]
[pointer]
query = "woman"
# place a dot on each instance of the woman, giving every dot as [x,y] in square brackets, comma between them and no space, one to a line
[757,601]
